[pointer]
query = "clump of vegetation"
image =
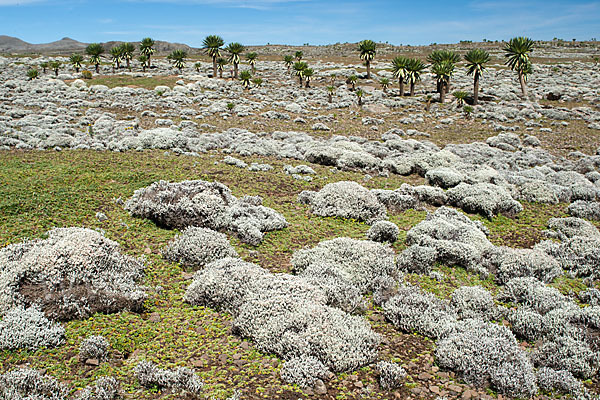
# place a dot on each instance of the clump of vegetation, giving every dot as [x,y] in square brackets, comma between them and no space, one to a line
[32,73]
[177,57]
[85,74]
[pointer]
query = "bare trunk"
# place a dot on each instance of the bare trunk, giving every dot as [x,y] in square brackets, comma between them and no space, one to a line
[221,74]
[442,94]
[128,65]
[368,69]
[235,71]
[148,60]
[97,68]
[330,98]
[214,66]
[360,101]
[144,67]
[308,83]
[55,72]
[476,90]
[412,89]
[401,82]
[523,85]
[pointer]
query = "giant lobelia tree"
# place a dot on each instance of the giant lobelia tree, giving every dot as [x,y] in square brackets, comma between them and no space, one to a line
[367,49]
[476,60]
[517,58]
[212,47]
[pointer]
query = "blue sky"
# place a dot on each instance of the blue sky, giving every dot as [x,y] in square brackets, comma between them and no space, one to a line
[299,21]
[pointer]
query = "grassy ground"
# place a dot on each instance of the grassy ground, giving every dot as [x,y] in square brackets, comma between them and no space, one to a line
[41,190]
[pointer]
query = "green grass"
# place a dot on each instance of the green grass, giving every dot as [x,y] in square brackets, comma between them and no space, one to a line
[42,190]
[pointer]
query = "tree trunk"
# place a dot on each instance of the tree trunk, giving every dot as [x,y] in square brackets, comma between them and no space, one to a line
[56,72]
[476,89]
[113,68]
[448,85]
[221,73]
[307,83]
[368,69]
[412,89]
[330,98]
[438,87]
[148,60]
[360,101]
[401,82]
[128,65]
[442,94]
[97,68]
[214,66]
[235,71]
[523,85]
[144,67]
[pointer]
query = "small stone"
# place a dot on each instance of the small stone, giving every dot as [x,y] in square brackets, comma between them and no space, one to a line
[154,317]
[92,361]
[240,363]
[187,276]
[320,387]
[147,250]
[245,345]
[358,384]
[454,388]
[198,363]
[223,358]
[424,376]
[435,389]
[101,216]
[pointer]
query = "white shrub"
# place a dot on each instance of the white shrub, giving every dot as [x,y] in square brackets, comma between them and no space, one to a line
[196,247]
[391,375]
[148,374]
[481,351]
[383,231]
[204,204]
[94,347]
[28,328]
[26,383]
[73,274]
[303,371]
[347,199]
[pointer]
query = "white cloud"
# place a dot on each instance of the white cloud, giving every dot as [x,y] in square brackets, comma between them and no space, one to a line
[18,2]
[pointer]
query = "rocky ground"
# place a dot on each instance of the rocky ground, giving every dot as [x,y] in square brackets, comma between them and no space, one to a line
[526,171]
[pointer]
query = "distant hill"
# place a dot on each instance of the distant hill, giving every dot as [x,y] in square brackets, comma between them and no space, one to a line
[66,46]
